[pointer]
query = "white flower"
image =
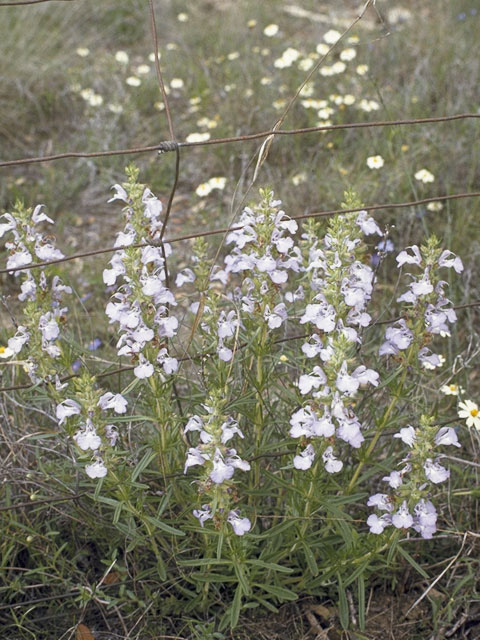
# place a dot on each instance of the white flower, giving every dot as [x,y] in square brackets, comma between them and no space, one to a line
[122,57]
[332,464]
[113,401]
[450,389]
[447,436]
[375,162]
[220,471]
[194,457]
[407,435]
[66,409]
[19,259]
[5,352]
[96,470]
[240,525]
[402,519]
[198,137]
[424,176]
[348,54]
[449,259]
[203,514]
[305,459]
[394,479]
[381,501]
[83,52]
[435,472]
[331,37]
[88,439]
[271,30]
[177,83]
[133,81]
[144,369]
[16,342]
[367,224]
[307,382]
[217,183]
[322,48]
[467,410]
[378,524]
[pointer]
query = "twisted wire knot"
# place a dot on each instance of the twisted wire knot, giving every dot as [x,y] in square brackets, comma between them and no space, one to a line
[167,145]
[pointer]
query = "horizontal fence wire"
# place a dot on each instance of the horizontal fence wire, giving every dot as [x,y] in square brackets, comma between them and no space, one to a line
[18,3]
[223,231]
[209,354]
[173,145]
[167,146]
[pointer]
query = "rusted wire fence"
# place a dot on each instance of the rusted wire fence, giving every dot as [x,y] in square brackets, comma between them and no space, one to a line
[173,145]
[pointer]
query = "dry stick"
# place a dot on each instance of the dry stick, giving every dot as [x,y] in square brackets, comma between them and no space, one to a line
[160,242]
[170,145]
[430,587]
[212,232]
[263,154]
[196,356]
[33,503]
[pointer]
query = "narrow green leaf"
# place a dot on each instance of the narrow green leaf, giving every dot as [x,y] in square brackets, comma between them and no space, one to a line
[143,464]
[236,606]
[310,559]
[280,592]
[241,577]
[199,562]
[411,561]
[164,526]
[270,565]
[343,612]
[117,512]
[361,602]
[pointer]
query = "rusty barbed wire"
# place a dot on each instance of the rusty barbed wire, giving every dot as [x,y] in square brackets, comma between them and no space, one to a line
[167,146]
[212,232]
[208,354]
[28,2]
[173,145]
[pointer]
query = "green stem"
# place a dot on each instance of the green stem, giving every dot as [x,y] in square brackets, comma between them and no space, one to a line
[384,421]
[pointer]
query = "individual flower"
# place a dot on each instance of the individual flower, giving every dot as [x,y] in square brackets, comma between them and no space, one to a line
[198,137]
[470,412]
[96,470]
[271,30]
[435,472]
[375,162]
[332,36]
[122,57]
[348,54]
[402,519]
[378,524]
[203,190]
[240,525]
[450,389]
[423,175]
[133,81]
[6,352]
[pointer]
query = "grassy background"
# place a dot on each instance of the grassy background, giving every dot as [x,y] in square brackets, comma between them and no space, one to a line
[423,64]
